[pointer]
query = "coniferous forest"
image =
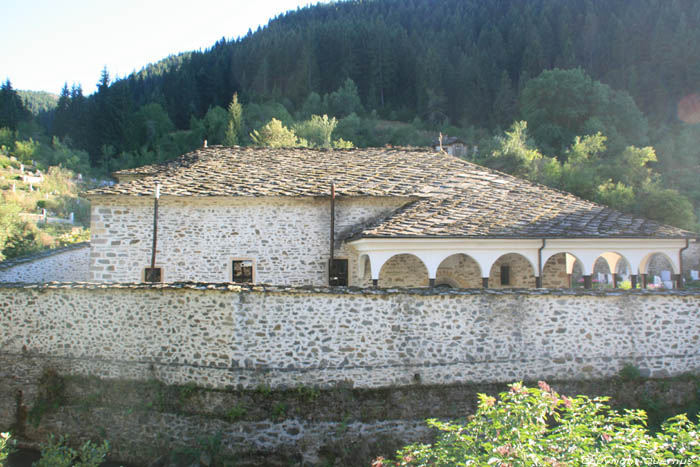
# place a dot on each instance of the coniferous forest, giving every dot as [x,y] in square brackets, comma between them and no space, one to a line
[596,97]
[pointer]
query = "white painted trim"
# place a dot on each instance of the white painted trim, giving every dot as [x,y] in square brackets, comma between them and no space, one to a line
[432,251]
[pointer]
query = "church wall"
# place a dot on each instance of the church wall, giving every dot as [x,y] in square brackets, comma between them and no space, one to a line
[288,239]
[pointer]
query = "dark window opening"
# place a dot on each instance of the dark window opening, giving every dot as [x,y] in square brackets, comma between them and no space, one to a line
[242,270]
[505,275]
[339,272]
[153,275]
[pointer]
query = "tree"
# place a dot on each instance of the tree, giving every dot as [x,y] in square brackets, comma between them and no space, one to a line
[149,124]
[344,101]
[10,223]
[537,426]
[276,135]
[12,110]
[234,128]
[561,104]
[317,131]
[515,153]
[61,119]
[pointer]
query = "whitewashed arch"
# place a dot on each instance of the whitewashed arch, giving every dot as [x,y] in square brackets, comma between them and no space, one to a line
[403,277]
[569,263]
[529,264]
[461,273]
[644,263]
[433,251]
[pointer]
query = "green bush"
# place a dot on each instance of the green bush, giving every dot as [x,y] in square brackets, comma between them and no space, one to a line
[6,443]
[538,427]
[56,453]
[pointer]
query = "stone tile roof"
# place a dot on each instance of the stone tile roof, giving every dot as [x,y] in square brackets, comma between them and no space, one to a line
[446,196]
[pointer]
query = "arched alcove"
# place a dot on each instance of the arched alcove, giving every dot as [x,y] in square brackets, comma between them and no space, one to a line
[403,270]
[510,271]
[554,272]
[562,271]
[660,271]
[459,271]
[611,269]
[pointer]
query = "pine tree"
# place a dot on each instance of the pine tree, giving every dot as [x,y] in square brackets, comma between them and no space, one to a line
[61,121]
[12,109]
[235,122]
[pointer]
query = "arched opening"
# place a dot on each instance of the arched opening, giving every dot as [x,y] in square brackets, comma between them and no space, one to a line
[562,271]
[611,270]
[404,270]
[659,271]
[512,270]
[459,271]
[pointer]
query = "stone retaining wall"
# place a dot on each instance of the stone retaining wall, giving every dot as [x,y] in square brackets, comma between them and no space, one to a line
[227,336]
[67,264]
[311,374]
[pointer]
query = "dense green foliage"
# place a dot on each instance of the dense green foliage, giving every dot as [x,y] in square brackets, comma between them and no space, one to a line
[538,427]
[6,443]
[38,101]
[56,453]
[608,91]
[22,203]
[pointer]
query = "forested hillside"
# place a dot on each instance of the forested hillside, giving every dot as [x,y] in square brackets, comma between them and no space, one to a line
[596,97]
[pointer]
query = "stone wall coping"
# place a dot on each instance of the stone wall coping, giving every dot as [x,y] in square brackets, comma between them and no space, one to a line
[10,263]
[306,290]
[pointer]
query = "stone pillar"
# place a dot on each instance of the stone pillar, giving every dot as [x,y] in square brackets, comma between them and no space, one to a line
[633,281]
[570,277]
[538,282]
[587,282]
[644,281]
[375,282]
[485,282]
[615,279]
[431,282]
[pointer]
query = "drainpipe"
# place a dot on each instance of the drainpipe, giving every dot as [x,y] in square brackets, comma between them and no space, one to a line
[155,225]
[330,263]
[679,278]
[538,279]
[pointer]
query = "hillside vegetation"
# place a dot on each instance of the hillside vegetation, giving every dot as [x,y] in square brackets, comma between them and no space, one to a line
[36,208]
[592,97]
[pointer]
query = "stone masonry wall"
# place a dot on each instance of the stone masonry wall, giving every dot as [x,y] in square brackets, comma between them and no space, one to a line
[287,238]
[225,336]
[70,264]
[403,271]
[459,271]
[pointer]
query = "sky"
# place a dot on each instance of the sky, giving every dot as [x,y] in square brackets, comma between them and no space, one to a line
[46,43]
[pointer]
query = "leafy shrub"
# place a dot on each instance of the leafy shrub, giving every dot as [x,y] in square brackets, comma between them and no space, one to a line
[6,443]
[56,453]
[236,412]
[537,426]
[629,372]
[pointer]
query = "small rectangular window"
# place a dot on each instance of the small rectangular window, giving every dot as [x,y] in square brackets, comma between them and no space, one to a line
[505,275]
[153,275]
[242,270]
[338,272]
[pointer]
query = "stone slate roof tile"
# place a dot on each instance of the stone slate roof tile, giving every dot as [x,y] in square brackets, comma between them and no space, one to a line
[445,196]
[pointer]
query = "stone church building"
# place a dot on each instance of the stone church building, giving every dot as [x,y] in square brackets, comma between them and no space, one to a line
[387,217]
